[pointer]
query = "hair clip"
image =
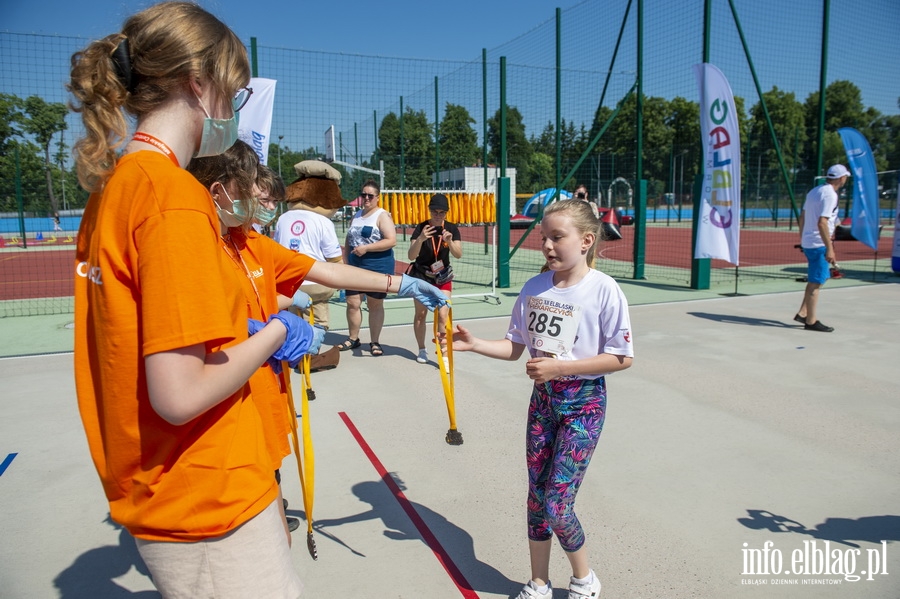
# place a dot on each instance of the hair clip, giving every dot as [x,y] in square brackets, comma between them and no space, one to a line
[122,61]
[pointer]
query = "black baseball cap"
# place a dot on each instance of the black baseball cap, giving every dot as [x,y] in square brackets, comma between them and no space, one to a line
[439,202]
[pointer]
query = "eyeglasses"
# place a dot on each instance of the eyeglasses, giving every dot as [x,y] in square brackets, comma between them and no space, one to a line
[240,98]
[367,196]
[580,195]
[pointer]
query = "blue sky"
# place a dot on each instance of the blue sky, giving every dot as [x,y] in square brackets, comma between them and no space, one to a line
[783,40]
[335,26]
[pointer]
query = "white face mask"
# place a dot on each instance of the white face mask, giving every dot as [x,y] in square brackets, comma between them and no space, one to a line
[218,134]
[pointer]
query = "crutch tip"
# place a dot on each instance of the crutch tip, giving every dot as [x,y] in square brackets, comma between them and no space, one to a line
[311,546]
[454,437]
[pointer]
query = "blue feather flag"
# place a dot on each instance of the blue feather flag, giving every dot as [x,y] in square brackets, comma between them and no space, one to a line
[865,187]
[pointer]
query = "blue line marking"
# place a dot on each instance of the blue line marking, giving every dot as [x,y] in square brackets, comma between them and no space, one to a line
[7,462]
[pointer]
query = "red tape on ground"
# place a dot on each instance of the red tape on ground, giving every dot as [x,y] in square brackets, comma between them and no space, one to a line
[455,575]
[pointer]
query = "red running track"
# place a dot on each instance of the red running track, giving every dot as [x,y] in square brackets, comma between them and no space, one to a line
[36,273]
[39,273]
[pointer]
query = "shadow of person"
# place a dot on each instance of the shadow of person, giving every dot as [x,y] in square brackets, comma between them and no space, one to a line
[754,322]
[388,506]
[93,573]
[868,529]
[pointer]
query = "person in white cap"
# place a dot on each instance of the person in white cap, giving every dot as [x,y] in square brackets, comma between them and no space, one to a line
[817,222]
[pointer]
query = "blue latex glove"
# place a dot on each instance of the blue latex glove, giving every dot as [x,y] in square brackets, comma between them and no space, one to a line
[302,300]
[254,326]
[301,339]
[428,295]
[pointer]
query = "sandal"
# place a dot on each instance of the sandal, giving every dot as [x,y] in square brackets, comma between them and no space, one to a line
[376,349]
[349,344]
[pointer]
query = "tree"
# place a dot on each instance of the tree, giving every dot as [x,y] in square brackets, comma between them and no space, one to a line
[684,121]
[43,121]
[518,148]
[417,150]
[541,174]
[572,144]
[31,169]
[657,142]
[10,115]
[458,140]
[288,158]
[788,121]
[843,108]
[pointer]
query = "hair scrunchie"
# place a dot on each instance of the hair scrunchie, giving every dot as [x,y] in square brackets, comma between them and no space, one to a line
[121,58]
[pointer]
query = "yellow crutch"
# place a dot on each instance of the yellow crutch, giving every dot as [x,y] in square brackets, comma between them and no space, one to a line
[306,461]
[454,437]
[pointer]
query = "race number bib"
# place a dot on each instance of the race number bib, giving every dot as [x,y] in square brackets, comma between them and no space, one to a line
[552,325]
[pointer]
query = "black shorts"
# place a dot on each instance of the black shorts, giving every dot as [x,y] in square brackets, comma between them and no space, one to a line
[372,294]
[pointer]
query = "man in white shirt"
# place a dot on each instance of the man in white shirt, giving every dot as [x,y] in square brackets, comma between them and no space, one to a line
[817,222]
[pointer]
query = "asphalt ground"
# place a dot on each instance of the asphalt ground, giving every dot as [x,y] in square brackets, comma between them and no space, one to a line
[734,428]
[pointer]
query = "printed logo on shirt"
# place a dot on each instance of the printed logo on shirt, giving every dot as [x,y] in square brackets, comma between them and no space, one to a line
[298,227]
[294,244]
[627,336]
[91,273]
[258,273]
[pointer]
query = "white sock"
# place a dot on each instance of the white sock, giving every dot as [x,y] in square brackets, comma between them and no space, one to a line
[542,589]
[586,580]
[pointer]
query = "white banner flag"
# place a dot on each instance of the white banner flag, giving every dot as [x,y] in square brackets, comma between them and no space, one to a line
[255,122]
[718,232]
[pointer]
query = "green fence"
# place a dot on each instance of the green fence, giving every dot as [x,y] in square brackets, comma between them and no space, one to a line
[422,118]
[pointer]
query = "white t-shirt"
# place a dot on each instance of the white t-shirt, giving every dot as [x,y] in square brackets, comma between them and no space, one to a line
[821,201]
[309,233]
[572,323]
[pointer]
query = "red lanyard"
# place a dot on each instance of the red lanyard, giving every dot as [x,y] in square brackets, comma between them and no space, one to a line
[436,245]
[158,144]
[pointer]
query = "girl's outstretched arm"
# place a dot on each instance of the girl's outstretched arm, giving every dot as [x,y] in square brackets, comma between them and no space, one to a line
[502,349]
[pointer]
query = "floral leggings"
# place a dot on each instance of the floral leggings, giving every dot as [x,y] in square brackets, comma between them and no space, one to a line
[565,419]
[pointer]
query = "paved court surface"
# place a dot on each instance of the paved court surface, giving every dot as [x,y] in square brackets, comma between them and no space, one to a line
[734,428]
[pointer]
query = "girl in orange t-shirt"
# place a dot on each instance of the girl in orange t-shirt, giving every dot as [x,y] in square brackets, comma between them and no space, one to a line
[270,274]
[162,355]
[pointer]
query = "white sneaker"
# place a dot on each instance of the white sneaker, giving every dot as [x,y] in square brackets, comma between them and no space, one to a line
[530,591]
[590,590]
[422,358]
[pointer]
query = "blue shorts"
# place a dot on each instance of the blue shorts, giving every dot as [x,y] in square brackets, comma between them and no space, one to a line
[819,269]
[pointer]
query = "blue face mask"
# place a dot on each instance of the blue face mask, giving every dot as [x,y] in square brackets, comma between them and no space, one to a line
[237,216]
[264,215]
[218,134]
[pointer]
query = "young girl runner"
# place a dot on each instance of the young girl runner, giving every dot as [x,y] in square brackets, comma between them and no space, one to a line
[574,321]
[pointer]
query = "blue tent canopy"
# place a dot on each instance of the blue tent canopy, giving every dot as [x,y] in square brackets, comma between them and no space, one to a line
[544,198]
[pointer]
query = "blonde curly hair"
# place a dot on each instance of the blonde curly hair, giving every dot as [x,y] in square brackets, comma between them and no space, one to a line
[129,74]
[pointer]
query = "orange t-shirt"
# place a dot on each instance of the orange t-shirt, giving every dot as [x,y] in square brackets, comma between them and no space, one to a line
[267,269]
[150,277]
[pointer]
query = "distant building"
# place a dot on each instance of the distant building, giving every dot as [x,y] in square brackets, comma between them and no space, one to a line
[471,179]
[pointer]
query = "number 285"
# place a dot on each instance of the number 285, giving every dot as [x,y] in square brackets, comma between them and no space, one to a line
[538,323]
